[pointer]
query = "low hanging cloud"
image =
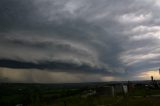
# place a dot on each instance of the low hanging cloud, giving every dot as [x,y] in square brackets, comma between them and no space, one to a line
[86,37]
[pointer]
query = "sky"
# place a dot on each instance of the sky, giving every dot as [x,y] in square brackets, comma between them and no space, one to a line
[69,41]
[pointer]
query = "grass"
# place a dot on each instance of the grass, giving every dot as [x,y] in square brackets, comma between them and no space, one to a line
[107,101]
[39,96]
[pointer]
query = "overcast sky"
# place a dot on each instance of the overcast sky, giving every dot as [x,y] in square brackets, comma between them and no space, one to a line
[79,40]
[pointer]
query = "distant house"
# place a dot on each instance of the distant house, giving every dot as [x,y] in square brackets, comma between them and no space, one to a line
[112,90]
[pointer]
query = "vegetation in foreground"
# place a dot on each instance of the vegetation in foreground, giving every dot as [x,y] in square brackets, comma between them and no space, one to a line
[40,95]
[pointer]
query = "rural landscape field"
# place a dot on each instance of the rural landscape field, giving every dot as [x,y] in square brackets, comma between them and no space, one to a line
[75,95]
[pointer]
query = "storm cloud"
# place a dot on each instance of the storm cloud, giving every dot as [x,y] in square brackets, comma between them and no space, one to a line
[88,37]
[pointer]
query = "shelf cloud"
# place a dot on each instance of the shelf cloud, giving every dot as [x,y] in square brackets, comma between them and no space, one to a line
[93,38]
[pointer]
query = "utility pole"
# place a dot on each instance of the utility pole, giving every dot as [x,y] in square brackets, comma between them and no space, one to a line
[152,79]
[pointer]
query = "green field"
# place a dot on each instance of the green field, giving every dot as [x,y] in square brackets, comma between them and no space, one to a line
[44,95]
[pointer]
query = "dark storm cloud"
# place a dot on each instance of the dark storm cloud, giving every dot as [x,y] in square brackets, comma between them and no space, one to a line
[86,36]
[55,66]
[15,14]
[85,42]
